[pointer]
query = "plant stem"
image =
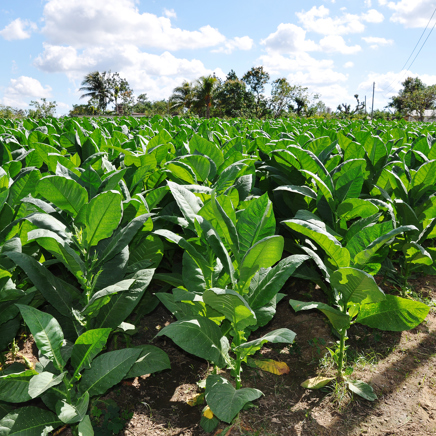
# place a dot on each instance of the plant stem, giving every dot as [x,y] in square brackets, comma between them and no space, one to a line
[238,371]
[343,334]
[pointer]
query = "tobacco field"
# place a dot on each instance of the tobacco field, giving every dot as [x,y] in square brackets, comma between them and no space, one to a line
[131,245]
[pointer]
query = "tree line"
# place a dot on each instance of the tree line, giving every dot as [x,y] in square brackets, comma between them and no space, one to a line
[209,96]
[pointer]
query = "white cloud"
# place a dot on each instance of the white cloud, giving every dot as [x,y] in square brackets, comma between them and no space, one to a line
[237,43]
[155,74]
[389,84]
[116,22]
[276,63]
[170,13]
[18,29]
[349,64]
[22,89]
[376,41]
[318,20]
[368,3]
[288,38]
[411,13]
[335,43]
[373,16]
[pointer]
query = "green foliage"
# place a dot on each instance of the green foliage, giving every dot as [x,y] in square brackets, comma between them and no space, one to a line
[90,208]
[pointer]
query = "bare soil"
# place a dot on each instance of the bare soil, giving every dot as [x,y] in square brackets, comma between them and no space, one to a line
[401,367]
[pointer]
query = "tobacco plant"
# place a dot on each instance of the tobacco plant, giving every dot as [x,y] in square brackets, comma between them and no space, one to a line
[67,376]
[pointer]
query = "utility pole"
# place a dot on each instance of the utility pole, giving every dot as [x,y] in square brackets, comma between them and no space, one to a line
[365,106]
[372,109]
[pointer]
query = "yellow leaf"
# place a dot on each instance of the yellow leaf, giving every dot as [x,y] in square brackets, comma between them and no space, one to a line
[272,366]
[208,413]
[196,400]
[316,382]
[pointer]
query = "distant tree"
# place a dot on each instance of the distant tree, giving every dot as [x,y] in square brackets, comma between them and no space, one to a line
[42,108]
[182,96]
[287,98]
[256,79]
[345,109]
[83,109]
[142,104]
[97,87]
[204,92]
[233,98]
[415,96]
[120,90]
[9,112]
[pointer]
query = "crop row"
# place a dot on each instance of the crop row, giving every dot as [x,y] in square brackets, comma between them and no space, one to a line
[218,215]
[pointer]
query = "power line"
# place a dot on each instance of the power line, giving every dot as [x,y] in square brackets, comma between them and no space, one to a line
[411,54]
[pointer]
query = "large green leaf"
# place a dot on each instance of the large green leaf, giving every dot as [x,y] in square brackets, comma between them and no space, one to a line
[263,254]
[44,381]
[356,286]
[226,219]
[224,400]
[100,217]
[58,293]
[23,185]
[338,319]
[232,305]
[362,389]
[85,427]
[423,180]
[393,314]
[207,148]
[72,413]
[417,254]
[46,332]
[102,297]
[210,235]
[188,203]
[14,388]
[338,255]
[29,421]
[151,359]
[255,223]
[107,370]
[122,237]
[59,248]
[279,336]
[87,346]
[122,304]
[201,337]
[65,193]
[355,207]
[365,255]
[264,286]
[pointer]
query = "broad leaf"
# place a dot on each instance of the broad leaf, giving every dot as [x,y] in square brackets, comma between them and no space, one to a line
[338,319]
[100,217]
[29,421]
[356,286]
[393,314]
[65,193]
[87,346]
[201,337]
[151,359]
[224,400]
[108,370]
[47,333]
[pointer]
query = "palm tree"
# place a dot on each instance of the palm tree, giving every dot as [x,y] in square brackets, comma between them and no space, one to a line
[182,96]
[96,85]
[205,90]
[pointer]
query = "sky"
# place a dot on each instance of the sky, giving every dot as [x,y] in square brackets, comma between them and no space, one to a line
[335,48]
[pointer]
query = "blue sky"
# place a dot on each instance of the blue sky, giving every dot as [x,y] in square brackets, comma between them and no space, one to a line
[336,48]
